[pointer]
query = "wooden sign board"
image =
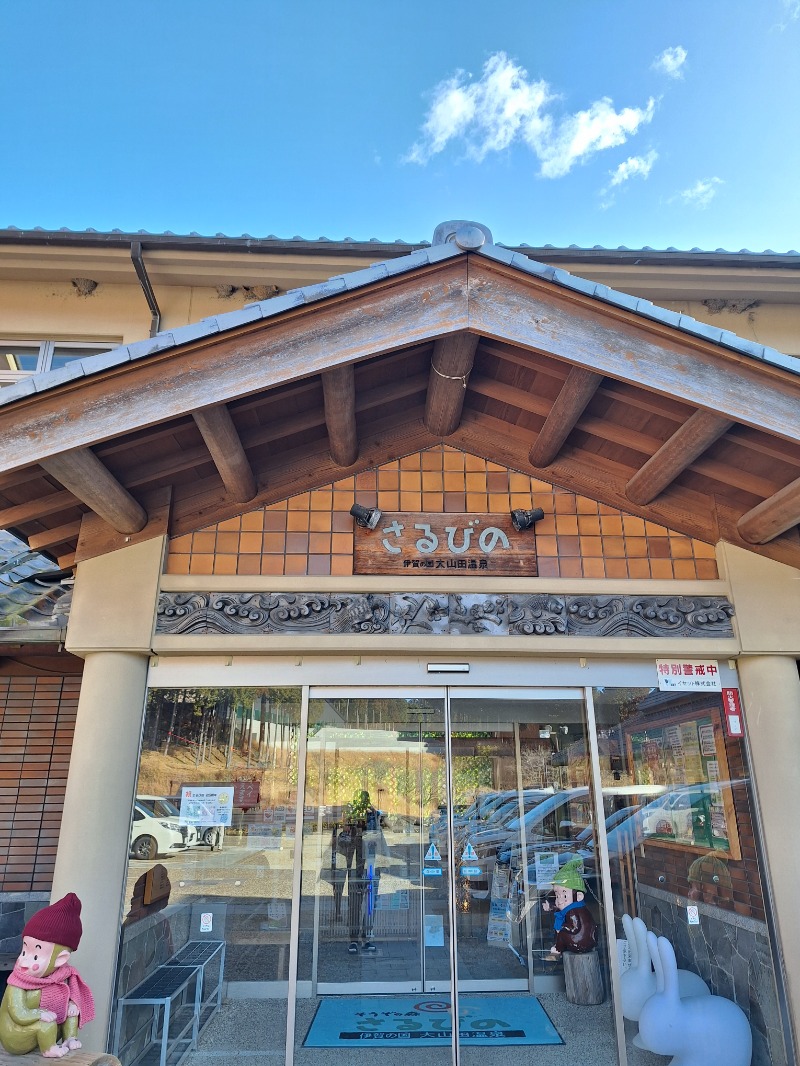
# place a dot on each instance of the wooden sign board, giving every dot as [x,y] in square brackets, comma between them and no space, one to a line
[156,885]
[445,545]
[246,794]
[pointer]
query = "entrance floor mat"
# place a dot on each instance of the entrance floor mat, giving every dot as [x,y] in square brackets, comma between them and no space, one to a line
[425,1021]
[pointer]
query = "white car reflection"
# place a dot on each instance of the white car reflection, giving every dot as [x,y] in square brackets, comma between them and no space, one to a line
[155,829]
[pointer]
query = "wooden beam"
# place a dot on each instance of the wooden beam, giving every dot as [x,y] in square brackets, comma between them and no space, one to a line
[536,315]
[774,516]
[578,389]
[395,313]
[52,503]
[451,363]
[98,538]
[616,433]
[339,392]
[84,475]
[306,467]
[222,440]
[684,510]
[676,454]
[58,535]
[174,462]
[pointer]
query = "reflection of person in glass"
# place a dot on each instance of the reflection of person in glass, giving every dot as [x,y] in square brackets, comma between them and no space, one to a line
[356,844]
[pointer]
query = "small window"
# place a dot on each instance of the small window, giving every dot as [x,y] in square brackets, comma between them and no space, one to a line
[21,359]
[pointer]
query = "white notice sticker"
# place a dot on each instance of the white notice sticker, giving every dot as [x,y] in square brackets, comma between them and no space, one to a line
[692,915]
[206,922]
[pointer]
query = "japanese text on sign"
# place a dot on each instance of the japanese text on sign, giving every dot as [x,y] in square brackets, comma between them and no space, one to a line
[480,544]
[211,805]
[685,675]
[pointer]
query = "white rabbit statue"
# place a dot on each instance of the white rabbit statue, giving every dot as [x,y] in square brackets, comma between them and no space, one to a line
[697,1031]
[638,983]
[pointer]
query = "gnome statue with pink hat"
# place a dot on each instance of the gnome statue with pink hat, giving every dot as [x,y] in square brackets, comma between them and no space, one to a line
[46,1002]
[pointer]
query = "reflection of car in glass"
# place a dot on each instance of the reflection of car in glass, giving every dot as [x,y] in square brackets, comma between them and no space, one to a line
[502,832]
[155,830]
[204,834]
[690,814]
[669,816]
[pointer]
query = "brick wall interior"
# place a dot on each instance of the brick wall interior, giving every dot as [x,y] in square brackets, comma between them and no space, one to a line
[37,721]
[312,533]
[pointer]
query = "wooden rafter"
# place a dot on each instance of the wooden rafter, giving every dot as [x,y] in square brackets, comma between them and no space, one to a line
[339,392]
[451,363]
[587,474]
[41,507]
[84,475]
[675,455]
[571,402]
[772,517]
[308,466]
[603,429]
[225,446]
[58,535]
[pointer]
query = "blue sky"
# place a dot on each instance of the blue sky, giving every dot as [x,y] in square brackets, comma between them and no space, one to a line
[630,122]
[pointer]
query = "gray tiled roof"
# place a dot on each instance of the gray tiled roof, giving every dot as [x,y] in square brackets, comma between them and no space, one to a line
[26,600]
[359,278]
[11,233]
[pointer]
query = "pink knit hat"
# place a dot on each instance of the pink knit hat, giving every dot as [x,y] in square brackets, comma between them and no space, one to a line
[58,924]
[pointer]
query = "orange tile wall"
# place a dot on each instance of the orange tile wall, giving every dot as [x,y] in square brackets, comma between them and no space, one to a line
[312,533]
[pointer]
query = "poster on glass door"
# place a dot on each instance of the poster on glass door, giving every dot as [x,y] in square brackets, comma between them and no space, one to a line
[206,805]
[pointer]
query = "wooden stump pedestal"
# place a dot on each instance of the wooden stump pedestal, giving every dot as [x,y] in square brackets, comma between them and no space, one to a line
[583,979]
[74,1058]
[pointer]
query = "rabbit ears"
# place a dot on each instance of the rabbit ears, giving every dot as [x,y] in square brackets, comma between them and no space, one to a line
[664,963]
[636,934]
[633,947]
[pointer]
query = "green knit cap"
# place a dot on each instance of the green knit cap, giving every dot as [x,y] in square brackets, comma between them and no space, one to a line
[571,876]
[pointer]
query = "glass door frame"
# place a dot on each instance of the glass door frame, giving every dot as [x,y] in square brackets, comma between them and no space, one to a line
[444,691]
[341,988]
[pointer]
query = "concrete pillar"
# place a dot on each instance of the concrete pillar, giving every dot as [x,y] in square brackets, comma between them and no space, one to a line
[94,838]
[770,687]
[111,627]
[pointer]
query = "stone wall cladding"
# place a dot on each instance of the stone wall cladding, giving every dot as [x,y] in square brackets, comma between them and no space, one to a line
[15,909]
[732,954]
[436,614]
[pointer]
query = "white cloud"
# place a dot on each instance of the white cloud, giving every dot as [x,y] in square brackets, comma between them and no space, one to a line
[635,166]
[791,10]
[671,61]
[701,193]
[504,106]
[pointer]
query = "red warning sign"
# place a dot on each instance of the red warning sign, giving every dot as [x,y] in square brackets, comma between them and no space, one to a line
[734,723]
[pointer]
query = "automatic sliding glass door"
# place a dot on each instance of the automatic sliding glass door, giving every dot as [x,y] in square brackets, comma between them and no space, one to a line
[376,887]
[436,824]
[521,801]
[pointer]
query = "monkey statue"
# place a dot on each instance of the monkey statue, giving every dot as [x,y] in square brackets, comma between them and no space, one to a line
[46,1002]
[574,926]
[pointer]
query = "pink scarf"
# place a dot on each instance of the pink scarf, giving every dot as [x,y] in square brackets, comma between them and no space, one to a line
[58,988]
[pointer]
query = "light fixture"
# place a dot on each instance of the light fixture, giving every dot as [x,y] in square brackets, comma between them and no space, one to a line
[448,668]
[522,520]
[366,517]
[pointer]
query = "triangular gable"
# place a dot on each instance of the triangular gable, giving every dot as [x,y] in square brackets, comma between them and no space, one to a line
[602,394]
[312,533]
